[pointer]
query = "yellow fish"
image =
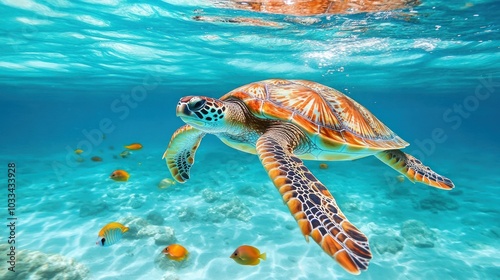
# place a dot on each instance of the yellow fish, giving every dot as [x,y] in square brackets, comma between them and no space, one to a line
[247,255]
[110,234]
[400,178]
[175,252]
[120,175]
[134,146]
[78,151]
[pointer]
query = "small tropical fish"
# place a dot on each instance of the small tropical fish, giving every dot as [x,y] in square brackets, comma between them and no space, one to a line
[400,178]
[96,158]
[165,183]
[78,151]
[175,252]
[323,166]
[120,175]
[110,234]
[247,255]
[134,146]
[125,153]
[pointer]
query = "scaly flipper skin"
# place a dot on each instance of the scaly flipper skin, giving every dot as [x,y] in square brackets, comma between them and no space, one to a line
[311,204]
[413,169]
[181,150]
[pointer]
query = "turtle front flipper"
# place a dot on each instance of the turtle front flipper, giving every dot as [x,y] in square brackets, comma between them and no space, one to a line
[181,150]
[414,169]
[311,204]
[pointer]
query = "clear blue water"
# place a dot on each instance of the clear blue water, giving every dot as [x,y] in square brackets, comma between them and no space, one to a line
[71,71]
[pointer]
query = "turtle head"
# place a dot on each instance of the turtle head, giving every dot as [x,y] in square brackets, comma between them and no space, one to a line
[204,113]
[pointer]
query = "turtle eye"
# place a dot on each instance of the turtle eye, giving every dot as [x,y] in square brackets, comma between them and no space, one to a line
[195,104]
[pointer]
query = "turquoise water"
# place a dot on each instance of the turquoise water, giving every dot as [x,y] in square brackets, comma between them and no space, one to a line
[98,75]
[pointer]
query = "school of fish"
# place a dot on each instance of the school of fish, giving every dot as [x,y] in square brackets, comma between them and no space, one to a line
[112,232]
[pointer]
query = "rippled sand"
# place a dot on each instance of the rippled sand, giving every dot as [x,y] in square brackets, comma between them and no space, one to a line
[231,202]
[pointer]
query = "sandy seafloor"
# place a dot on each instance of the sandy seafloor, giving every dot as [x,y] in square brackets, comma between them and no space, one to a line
[229,202]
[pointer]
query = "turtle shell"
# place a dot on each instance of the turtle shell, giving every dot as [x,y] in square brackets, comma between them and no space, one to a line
[331,119]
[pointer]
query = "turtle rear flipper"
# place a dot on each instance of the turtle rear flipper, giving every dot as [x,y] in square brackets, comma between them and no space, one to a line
[414,169]
[311,204]
[181,150]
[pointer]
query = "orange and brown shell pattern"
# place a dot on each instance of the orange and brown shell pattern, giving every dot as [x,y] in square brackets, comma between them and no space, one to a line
[339,126]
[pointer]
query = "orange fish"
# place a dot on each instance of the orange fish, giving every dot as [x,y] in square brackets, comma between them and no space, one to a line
[175,252]
[134,146]
[247,255]
[120,175]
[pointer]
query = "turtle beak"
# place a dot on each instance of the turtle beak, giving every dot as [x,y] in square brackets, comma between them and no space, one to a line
[182,110]
[187,110]
[182,107]
[189,106]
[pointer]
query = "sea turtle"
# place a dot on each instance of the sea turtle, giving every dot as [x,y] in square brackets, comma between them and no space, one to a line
[284,121]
